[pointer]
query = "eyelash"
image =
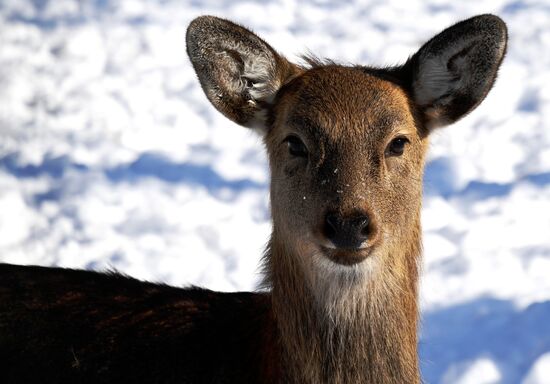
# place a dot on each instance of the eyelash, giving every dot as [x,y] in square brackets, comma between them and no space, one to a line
[397,146]
[296,146]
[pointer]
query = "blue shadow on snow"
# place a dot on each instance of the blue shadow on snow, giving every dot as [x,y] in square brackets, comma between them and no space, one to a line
[439,180]
[485,327]
[148,165]
[158,166]
[54,167]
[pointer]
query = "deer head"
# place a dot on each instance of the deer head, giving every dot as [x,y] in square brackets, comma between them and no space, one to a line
[346,144]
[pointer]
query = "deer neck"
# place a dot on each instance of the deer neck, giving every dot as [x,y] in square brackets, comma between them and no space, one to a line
[362,330]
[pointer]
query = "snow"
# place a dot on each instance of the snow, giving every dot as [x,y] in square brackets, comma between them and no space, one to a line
[481,371]
[539,371]
[110,156]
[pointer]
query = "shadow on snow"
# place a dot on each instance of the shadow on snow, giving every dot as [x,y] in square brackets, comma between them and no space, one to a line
[496,329]
[154,165]
[148,165]
[440,180]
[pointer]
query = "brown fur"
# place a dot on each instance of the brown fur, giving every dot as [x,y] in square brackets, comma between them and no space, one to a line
[356,325]
[347,315]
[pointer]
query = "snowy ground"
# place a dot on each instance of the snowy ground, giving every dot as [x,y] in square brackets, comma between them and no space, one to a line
[111,156]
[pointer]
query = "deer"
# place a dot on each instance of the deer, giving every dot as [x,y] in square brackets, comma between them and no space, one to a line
[346,148]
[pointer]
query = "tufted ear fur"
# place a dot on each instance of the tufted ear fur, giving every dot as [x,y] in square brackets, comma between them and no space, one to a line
[453,72]
[239,72]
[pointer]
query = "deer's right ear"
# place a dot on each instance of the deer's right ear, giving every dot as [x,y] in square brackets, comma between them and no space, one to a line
[239,72]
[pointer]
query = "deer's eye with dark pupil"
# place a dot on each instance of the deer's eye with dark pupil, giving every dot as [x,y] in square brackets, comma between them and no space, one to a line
[296,147]
[397,146]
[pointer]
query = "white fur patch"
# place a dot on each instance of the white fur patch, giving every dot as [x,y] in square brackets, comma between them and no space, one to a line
[261,72]
[340,289]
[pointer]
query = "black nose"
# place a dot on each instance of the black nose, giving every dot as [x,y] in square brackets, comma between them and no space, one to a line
[346,232]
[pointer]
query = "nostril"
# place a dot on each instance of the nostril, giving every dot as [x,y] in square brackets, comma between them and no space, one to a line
[330,227]
[346,232]
[362,225]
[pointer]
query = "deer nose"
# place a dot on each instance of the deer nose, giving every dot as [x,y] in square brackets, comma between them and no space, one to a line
[346,232]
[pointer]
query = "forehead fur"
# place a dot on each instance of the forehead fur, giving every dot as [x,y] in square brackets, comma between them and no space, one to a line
[328,97]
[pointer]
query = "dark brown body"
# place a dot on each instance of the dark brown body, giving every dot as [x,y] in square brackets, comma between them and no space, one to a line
[67,326]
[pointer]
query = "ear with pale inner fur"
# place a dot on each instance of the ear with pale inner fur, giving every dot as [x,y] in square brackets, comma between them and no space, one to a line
[453,72]
[239,72]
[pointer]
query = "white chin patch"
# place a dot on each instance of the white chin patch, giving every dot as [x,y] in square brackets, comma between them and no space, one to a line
[340,291]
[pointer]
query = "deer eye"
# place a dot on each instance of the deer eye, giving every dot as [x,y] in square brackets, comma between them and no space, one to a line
[397,146]
[296,147]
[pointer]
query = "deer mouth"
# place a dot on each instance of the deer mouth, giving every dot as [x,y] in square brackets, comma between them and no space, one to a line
[347,257]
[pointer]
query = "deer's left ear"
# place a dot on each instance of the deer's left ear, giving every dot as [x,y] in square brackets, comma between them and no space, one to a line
[453,72]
